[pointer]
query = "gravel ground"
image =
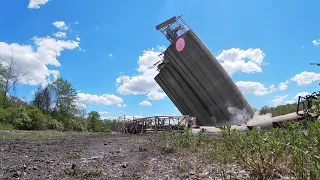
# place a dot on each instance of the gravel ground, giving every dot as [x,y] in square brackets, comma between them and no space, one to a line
[46,155]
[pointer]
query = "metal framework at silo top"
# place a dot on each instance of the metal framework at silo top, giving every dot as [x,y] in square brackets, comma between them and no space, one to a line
[173,28]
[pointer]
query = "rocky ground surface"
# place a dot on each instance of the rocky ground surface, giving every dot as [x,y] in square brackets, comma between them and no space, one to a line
[56,155]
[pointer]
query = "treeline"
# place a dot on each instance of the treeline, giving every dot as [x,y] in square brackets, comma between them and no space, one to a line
[280,110]
[53,107]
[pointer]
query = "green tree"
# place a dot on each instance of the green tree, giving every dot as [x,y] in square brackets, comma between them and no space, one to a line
[64,98]
[94,121]
[265,110]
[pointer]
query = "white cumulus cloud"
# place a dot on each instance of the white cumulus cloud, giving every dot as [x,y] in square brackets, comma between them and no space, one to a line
[108,117]
[256,88]
[122,105]
[156,95]
[306,78]
[283,85]
[35,62]
[103,112]
[145,103]
[78,38]
[105,99]
[60,25]
[237,60]
[290,102]
[60,34]
[295,98]
[49,46]
[133,117]
[301,94]
[316,42]
[35,4]
[80,106]
[144,82]
[128,117]
[279,100]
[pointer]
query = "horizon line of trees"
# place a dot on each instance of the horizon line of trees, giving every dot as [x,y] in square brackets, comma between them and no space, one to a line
[52,107]
[279,110]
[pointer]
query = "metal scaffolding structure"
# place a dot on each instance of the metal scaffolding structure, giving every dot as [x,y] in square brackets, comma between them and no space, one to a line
[157,123]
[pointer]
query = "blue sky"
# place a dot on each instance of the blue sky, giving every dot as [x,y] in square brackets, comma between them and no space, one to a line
[106,48]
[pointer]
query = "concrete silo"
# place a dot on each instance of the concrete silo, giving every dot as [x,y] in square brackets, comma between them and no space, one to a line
[196,82]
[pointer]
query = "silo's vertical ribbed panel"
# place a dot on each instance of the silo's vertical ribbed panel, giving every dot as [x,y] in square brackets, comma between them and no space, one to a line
[183,96]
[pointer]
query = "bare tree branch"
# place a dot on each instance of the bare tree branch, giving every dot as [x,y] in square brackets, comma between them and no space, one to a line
[11,76]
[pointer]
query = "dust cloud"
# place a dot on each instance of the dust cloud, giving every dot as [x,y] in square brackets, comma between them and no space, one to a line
[240,117]
[257,117]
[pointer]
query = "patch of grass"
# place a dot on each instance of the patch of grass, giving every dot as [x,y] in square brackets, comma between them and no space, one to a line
[92,173]
[6,126]
[185,142]
[74,155]
[292,151]
[73,172]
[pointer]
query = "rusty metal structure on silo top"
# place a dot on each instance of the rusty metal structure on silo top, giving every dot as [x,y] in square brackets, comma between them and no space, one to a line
[195,81]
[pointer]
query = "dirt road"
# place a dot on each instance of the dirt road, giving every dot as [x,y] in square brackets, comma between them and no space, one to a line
[45,155]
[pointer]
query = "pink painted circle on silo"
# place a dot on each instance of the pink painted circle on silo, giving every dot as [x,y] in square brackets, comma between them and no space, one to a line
[180,44]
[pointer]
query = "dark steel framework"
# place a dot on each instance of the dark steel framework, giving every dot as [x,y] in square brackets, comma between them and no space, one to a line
[309,108]
[173,28]
[156,123]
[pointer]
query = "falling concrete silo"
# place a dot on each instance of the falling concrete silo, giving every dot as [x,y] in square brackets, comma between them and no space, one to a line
[182,95]
[218,99]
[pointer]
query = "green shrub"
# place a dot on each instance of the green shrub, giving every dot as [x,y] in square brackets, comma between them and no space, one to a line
[33,119]
[97,125]
[292,151]
[113,125]
[6,126]
[9,115]
[186,142]
[5,116]
[105,126]
[38,119]
[74,125]
[24,122]
[77,125]
[55,125]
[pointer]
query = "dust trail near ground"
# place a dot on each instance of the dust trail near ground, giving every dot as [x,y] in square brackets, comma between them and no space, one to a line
[239,116]
[257,117]
[243,117]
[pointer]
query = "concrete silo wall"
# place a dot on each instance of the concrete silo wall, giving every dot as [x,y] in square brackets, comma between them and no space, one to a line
[206,80]
[171,93]
[182,95]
